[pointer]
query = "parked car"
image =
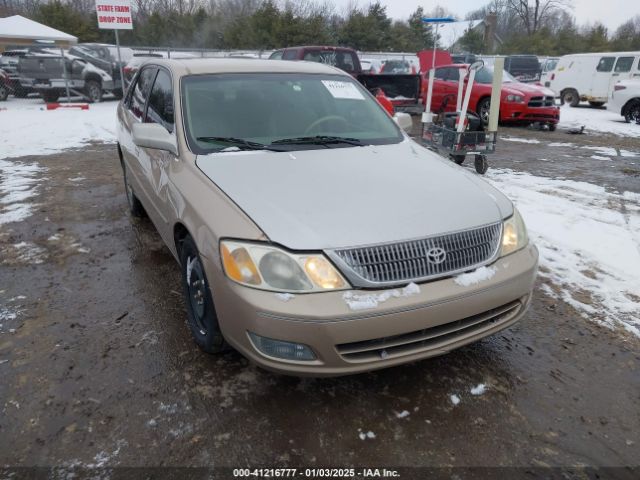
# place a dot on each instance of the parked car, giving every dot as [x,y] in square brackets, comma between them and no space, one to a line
[45,74]
[547,65]
[524,68]
[522,103]
[104,57]
[370,66]
[625,100]
[9,63]
[590,76]
[134,64]
[344,58]
[398,67]
[316,238]
[5,86]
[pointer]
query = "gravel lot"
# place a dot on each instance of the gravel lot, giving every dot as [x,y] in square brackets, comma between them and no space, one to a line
[98,368]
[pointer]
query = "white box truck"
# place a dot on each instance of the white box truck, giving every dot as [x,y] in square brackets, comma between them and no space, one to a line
[591,76]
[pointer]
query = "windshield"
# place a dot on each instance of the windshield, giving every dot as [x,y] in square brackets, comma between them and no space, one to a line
[288,109]
[485,75]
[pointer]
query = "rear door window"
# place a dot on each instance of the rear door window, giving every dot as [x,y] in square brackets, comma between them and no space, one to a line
[160,108]
[624,64]
[441,74]
[605,64]
[141,91]
[289,55]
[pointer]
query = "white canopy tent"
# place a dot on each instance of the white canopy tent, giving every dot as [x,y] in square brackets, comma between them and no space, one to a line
[17,30]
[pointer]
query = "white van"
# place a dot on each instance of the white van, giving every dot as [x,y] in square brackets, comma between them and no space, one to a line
[590,76]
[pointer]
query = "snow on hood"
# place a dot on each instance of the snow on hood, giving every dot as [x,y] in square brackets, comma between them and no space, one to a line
[519,88]
[346,197]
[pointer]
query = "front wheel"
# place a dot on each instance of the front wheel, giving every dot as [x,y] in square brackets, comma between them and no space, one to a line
[596,104]
[93,91]
[552,127]
[4,92]
[201,312]
[50,96]
[632,112]
[458,159]
[483,109]
[570,97]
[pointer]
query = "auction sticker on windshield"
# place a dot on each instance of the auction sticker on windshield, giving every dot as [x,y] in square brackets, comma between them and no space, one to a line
[342,89]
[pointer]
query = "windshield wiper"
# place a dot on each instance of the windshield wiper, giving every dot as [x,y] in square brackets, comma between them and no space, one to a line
[241,143]
[318,140]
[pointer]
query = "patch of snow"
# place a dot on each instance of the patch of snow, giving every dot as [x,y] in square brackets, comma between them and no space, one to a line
[230,149]
[598,157]
[52,131]
[520,140]
[596,121]
[561,144]
[18,184]
[455,399]
[26,252]
[403,414]
[285,297]
[372,300]
[589,242]
[478,389]
[368,435]
[77,179]
[472,278]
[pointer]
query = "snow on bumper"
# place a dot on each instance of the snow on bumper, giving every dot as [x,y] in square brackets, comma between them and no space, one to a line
[441,316]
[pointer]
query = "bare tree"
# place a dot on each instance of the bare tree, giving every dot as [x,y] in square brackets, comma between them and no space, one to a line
[534,13]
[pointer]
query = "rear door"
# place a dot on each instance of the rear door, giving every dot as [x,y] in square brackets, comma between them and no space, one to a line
[160,110]
[136,158]
[622,69]
[601,79]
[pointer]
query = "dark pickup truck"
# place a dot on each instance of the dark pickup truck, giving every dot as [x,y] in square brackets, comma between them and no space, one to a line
[402,89]
[45,74]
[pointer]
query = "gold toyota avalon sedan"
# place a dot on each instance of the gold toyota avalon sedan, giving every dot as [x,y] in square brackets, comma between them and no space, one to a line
[313,235]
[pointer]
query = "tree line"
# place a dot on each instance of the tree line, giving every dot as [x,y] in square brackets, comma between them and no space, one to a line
[543,27]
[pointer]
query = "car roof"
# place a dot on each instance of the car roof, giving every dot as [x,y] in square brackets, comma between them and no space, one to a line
[199,66]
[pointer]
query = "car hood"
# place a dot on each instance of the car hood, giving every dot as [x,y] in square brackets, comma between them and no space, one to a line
[519,88]
[347,197]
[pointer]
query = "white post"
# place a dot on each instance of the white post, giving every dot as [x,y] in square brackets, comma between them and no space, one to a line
[496,88]
[120,63]
[465,105]
[427,115]
[435,43]
[64,74]
[462,75]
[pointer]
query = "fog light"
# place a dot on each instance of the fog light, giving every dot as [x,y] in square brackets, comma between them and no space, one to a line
[282,349]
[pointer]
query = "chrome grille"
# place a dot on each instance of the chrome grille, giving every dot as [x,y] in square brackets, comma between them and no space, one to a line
[548,101]
[413,260]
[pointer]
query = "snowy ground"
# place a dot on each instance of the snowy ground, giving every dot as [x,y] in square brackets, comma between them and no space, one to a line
[29,129]
[597,120]
[589,238]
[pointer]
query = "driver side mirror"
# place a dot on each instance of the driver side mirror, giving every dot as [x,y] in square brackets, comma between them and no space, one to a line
[403,120]
[153,135]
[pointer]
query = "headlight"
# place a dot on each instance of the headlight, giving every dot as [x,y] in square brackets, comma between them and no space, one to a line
[515,98]
[271,268]
[514,234]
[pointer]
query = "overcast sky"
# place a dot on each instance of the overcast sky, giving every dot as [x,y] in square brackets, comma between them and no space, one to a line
[610,12]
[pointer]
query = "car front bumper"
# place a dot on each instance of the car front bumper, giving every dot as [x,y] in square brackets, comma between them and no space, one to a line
[441,317]
[524,113]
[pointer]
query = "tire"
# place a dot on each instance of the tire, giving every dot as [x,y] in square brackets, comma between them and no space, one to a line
[458,159]
[571,97]
[632,111]
[4,92]
[201,313]
[50,96]
[596,104]
[482,109]
[481,164]
[93,91]
[117,93]
[552,127]
[135,207]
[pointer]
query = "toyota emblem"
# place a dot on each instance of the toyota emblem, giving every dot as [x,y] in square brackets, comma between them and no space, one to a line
[436,255]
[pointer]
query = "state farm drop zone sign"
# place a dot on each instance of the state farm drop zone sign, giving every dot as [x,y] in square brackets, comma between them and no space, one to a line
[114,14]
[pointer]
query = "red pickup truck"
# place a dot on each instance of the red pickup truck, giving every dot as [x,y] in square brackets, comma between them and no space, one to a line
[522,103]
